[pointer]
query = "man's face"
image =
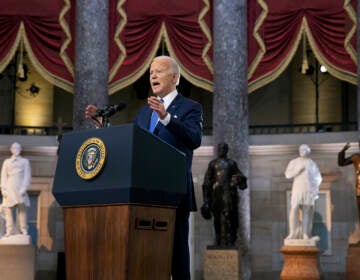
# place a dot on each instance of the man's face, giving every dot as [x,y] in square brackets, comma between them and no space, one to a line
[162,80]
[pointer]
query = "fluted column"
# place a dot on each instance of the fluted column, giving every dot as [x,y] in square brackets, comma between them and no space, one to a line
[91,57]
[230,110]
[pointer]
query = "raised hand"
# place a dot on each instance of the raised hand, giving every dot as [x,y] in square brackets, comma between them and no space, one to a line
[91,110]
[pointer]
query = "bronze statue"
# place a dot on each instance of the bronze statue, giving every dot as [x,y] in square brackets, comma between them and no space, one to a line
[222,179]
[353,159]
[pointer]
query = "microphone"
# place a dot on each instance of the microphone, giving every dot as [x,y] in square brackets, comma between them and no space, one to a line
[109,110]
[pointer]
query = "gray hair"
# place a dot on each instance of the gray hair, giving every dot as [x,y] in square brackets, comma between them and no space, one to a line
[174,66]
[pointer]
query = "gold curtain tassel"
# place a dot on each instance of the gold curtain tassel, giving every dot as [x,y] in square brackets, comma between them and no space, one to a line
[304,66]
[305,63]
[21,72]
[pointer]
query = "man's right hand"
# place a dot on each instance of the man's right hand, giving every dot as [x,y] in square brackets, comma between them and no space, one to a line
[91,110]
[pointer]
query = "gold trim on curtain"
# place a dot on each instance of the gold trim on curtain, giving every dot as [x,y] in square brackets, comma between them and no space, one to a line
[67,61]
[55,80]
[333,70]
[347,45]
[207,33]
[120,84]
[117,40]
[258,38]
[195,80]
[264,80]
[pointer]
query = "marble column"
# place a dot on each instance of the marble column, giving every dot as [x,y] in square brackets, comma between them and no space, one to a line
[358,67]
[91,58]
[230,110]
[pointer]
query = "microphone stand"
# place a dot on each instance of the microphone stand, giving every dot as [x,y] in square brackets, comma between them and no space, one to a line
[106,122]
[106,113]
[99,124]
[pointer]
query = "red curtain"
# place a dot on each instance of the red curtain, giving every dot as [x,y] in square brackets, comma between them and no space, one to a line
[184,25]
[37,26]
[137,28]
[276,28]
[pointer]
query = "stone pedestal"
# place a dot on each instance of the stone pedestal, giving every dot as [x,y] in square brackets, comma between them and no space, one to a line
[17,262]
[16,239]
[352,262]
[300,262]
[221,264]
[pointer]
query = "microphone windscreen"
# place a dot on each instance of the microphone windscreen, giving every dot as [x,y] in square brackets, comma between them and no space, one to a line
[120,106]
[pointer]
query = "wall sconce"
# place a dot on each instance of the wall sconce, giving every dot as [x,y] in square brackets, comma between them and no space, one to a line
[33,90]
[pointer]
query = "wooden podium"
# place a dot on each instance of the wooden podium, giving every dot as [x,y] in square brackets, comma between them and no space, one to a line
[119,224]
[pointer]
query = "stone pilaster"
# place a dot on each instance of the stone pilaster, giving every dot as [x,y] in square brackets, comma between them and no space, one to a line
[230,110]
[91,57]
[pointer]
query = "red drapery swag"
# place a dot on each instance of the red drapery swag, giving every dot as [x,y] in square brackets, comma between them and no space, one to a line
[36,26]
[276,27]
[137,28]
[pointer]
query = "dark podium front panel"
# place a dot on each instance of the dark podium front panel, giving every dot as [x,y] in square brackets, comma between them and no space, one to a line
[139,168]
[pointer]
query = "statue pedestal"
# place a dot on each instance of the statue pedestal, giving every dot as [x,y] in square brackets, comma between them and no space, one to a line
[221,264]
[17,262]
[352,262]
[16,239]
[300,261]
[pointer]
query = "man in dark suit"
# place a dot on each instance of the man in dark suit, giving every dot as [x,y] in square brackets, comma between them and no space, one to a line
[178,121]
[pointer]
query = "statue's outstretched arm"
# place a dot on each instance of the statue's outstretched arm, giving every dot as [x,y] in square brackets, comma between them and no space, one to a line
[342,160]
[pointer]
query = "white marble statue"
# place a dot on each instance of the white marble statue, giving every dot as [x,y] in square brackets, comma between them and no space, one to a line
[15,180]
[305,188]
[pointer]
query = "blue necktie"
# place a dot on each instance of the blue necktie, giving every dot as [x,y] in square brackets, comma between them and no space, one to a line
[154,119]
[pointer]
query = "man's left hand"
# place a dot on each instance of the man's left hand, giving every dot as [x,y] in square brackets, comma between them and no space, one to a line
[156,105]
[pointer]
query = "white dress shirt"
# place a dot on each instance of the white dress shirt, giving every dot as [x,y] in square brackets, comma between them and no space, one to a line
[167,101]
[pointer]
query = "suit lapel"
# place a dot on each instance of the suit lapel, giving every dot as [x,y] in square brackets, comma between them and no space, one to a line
[175,104]
[147,117]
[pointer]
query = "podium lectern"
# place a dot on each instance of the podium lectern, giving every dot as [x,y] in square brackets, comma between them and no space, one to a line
[120,223]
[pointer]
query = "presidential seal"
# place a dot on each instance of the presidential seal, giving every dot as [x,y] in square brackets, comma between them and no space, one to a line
[90,158]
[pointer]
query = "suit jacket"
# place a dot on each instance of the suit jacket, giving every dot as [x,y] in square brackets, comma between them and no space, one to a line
[184,132]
